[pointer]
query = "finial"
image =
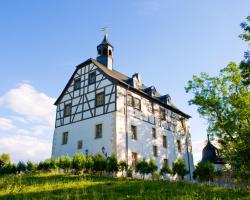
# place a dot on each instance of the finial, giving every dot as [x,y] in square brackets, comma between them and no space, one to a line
[105,31]
[208,138]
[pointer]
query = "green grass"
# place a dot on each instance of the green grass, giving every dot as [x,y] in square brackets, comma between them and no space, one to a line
[59,186]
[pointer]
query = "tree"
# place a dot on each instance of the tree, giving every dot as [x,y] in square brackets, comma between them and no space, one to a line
[1,164]
[100,163]
[123,166]
[112,164]
[179,168]
[64,163]
[9,169]
[165,169]
[78,162]
[152,167]
[224,101]
[5,158]
[245,64]
[21,167]
[204,171]
[89,163]
[142,167]
[31,166]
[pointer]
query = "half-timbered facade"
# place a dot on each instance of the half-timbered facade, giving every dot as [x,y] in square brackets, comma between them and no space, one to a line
[103,111]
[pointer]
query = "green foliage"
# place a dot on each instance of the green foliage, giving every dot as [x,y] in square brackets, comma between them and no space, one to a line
[142,167]
[31,167]
[100,163]
[179,168]
[21,167]
[89,163]
[165,169]
[78,162]
[112,164]
[246,30]
[9,169]
[204,171]
[65,163]
[5,158]
[123,166]
[152,167]
[224,100]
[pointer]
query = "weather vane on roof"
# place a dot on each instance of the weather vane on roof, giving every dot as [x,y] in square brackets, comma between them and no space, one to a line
[105,30]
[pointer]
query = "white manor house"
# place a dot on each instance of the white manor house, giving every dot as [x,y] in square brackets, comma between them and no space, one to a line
[104,111]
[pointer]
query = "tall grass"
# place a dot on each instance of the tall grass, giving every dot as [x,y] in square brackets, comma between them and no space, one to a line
[61,186]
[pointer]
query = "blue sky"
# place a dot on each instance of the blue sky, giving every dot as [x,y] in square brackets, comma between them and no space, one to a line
[166,41]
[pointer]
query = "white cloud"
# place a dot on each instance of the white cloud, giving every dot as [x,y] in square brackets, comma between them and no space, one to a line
[25,148]
[6,124]
[30,103]
[33,114]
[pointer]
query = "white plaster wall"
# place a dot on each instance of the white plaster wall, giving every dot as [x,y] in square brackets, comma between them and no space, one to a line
[85,130]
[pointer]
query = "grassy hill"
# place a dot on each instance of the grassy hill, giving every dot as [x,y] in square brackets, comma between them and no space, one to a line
[59,186]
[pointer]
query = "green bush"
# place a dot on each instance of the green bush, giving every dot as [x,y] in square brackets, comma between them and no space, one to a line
[112,164]
[165,169]
[123,166]
[100,163]
[142,167]
[78,162]
[204,171]
[8,169]
[179,168]
[65,163]
[152,167]
[31,167]
[89,163]
[21,167]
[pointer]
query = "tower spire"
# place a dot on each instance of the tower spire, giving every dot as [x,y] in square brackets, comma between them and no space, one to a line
[105,51]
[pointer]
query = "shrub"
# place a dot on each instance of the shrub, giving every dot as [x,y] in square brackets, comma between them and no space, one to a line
[78,162]
[204,171]
[41,166]
[130,172]
[89,163]
[112,165]
[179,168]
[9,169]
[142,167]
[21,167]
[100,163]
[152,167]
[31,166]
[65,163]
[165,169]
[1,164]
[123,166]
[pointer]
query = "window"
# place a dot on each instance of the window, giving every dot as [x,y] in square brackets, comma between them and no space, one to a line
[110,52]
[162,113]
[77,84]
[79,144]
[155,151]
[99,52]
[165,162]
[130,100]
[179,145]
[98,131]
[65,138]
[92,77]
[137,103]
[134,132]
[100,99]
[164,141]
[151,107]
[154,133]
[134,158]
[67,110]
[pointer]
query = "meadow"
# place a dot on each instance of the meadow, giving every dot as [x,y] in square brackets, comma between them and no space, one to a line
[61,186]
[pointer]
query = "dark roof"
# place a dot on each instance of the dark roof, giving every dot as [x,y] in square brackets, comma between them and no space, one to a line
[123,80]
[210,153]
[105,41]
